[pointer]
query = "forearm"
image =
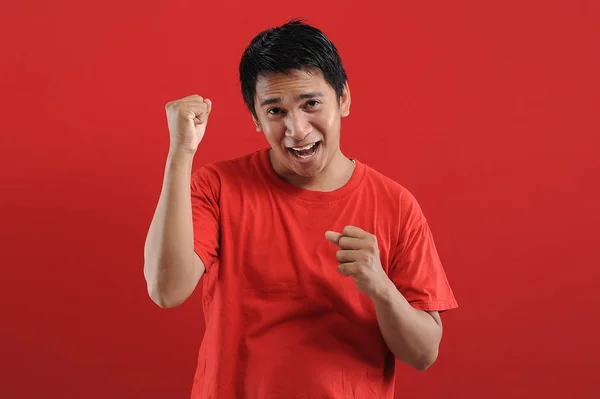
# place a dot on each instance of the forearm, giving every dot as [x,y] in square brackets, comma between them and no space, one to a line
[169,268]
[412,335]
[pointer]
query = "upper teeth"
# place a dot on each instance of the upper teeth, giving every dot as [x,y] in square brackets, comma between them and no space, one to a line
[307,147]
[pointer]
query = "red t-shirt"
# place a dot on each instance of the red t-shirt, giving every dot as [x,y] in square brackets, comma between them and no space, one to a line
[281,321]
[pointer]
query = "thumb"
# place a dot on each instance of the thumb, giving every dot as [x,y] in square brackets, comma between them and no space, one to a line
[208,105]
[333,237]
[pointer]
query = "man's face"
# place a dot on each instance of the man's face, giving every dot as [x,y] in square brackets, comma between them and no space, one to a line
[300,116]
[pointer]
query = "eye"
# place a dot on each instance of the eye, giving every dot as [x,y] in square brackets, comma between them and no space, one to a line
[274,111]
[311,103]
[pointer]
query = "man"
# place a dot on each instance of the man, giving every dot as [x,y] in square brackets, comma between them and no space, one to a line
[318,271]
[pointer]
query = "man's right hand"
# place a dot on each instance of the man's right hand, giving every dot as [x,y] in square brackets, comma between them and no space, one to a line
[187,120]
[171,267]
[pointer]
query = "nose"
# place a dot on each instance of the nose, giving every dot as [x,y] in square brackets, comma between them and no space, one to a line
[298,126]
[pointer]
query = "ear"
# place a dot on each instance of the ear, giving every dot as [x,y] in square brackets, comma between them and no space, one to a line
[345,101]
[256,124]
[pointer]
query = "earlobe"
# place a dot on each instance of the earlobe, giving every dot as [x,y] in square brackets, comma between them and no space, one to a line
[257,125]
[345,101]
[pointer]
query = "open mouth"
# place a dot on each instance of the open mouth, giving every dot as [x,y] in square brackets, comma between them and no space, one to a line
[305,152]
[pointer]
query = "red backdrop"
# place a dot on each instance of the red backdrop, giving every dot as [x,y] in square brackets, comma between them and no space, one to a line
[487,112]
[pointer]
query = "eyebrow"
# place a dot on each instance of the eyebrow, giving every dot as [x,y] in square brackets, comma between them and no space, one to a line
[304,96]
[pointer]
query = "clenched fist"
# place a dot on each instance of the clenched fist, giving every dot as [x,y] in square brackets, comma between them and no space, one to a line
[359,258]
[187,120]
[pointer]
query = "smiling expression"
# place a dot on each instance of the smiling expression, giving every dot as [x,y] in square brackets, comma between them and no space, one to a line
[300,116]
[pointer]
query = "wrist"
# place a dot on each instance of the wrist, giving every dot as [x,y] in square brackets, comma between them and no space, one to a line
[180,156]
[178,163]
[385,291]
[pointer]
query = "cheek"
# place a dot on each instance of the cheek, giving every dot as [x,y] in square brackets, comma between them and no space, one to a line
[328,124]
[274,131]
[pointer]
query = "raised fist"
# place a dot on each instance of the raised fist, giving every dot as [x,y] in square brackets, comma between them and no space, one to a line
[187,120]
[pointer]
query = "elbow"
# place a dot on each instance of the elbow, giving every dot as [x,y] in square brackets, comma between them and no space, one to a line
[162,297]
[425,361]
[163,301]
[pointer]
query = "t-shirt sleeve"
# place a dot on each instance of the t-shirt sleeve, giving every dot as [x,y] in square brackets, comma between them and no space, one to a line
[416,269]
[205,192]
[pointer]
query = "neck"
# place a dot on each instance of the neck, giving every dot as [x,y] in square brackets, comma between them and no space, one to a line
[335,175]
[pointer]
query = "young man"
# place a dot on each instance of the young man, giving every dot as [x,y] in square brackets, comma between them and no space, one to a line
[318,271]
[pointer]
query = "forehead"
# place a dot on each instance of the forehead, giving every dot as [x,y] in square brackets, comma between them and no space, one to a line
[291,83]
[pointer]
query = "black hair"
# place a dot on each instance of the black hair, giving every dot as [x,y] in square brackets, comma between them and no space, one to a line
[294,45]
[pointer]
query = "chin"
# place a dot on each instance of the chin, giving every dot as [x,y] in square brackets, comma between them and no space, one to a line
[308,172]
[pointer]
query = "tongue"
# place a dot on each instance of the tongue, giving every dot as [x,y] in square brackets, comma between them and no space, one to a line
[305,153]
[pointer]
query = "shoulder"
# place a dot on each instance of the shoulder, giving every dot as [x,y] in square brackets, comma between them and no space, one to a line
[401,200]
[217,173]
[388,187]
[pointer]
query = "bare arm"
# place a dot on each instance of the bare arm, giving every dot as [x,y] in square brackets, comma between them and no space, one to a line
[412,335]
[171,267]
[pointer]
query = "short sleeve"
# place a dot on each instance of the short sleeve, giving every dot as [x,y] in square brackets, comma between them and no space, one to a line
[205,190]
[416,268]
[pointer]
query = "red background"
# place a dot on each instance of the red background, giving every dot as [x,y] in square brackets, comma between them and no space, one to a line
[486,111]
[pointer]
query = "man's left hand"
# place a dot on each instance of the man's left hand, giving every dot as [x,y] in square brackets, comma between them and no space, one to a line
[359,259]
